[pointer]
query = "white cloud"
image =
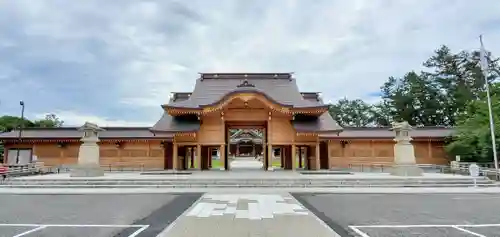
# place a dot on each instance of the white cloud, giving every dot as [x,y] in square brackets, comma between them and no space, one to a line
[72,118]
[341,48]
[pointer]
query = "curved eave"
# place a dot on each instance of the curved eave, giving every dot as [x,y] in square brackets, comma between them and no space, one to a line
[235,92]
[200,108]
[168,107]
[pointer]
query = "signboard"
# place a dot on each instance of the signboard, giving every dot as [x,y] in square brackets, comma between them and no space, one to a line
[457,158]
[474,170]
[455,166]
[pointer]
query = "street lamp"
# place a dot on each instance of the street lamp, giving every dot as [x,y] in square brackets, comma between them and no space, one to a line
[21,103]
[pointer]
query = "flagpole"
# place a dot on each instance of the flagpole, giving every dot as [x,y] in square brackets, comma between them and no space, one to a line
[484,67]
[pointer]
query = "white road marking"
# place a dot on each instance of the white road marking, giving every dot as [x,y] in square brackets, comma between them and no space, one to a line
[137,232]
[30,231]
[69,225]
[356,228]
[359,232]
[39,227]
[423,226]
[468,231]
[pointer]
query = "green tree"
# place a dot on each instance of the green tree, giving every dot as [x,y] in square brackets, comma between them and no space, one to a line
[441,93]
[352,113]
[9,123]
[50,121]
[472,140]
[414,98]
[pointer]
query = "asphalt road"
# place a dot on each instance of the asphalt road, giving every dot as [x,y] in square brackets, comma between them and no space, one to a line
[409,211]
[98,215]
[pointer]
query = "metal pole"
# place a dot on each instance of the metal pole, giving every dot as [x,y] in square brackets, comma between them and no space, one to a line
[20,129]
[490,111]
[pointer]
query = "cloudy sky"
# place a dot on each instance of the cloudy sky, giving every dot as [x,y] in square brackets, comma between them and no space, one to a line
[114,62]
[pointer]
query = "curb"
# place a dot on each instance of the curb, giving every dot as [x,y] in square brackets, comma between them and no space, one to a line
[471,190]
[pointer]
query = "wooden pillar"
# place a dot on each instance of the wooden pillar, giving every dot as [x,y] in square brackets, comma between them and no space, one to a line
[294,159]
[222,157]
[269,144]
[253,149]
[282,157]
[300,156]
[237,149]
[210,157]
[175,158]
[429,150]
[198,156]
[192,157]
[269,157]
[316,157]
[328,143]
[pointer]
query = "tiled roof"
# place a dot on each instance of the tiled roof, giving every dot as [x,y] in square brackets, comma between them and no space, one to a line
[144,132]
[384,132]
[168,123]
[324,123]
[72,132]
[278,87]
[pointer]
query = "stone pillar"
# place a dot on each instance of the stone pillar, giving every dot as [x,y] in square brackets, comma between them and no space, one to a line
[88,154]
[404,154]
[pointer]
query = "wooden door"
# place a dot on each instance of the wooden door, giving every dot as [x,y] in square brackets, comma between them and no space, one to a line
[168,150]
[323,155]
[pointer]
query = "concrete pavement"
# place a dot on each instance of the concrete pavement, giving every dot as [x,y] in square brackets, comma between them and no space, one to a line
[33,191]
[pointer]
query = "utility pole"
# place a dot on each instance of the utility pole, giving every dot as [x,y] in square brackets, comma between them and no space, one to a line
[21,125]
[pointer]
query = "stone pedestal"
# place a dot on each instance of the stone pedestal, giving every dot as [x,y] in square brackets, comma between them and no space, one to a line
[88,154]
[404,152]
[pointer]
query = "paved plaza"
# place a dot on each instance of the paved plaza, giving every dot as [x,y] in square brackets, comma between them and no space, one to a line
[250,213]
[408,215]
[99,215]
[253,215]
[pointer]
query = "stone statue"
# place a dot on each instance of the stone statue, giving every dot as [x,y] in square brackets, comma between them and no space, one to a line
[88,154]
[404,152]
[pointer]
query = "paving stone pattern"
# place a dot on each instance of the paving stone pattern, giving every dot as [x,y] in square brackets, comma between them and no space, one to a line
[260,215]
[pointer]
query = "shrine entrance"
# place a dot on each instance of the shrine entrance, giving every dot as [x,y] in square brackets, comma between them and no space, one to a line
[245,143]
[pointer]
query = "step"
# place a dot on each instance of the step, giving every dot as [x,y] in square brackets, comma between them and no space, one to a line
[185,179]
[229,181]
[244,186]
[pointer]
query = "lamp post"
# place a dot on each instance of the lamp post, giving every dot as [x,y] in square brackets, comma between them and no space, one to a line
[21,103]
